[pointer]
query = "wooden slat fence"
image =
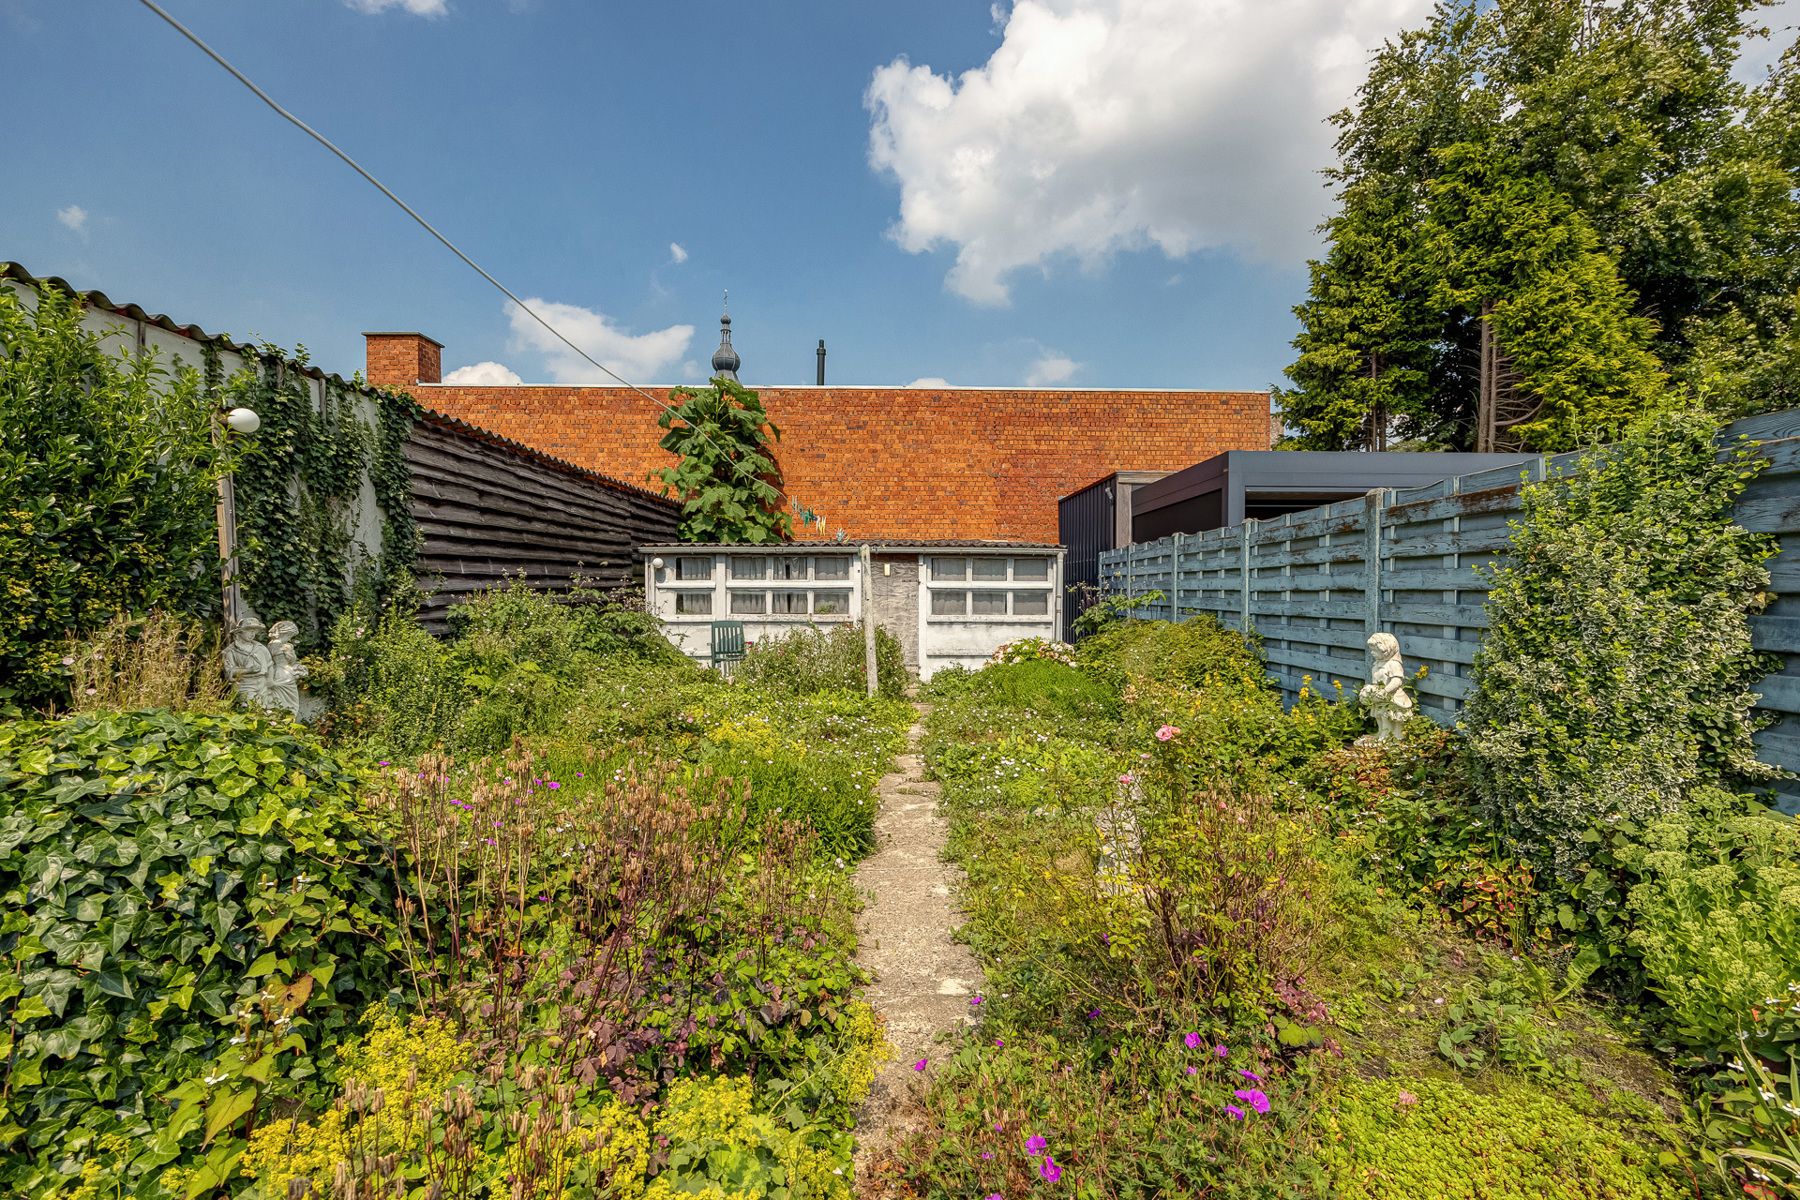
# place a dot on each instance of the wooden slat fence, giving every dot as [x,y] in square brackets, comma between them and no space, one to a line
[1317,583]
[490,510]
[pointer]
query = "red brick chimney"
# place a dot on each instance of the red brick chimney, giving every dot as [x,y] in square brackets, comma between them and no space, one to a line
[399,360]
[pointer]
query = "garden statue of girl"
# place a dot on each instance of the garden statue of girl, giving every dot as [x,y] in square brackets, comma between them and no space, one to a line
[248,665]
[1385,696]
[284,680]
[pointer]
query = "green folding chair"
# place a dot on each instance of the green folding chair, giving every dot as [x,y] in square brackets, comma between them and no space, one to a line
[727,645]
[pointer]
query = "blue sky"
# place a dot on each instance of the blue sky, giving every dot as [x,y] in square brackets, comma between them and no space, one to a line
[1103,193]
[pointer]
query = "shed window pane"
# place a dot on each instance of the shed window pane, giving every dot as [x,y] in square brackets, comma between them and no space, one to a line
[989,604]
[749,567]
[790,603]
[1031,604]
[831,568]
[1031,568]
[831,603]
[949,568]
[989,568]
[693,568]
[693,604]
[788,566]
[949,604]
[749,604]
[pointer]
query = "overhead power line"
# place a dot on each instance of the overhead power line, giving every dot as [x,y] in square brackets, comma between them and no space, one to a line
[408,209]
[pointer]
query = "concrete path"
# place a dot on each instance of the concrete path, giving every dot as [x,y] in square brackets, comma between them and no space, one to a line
[923,980]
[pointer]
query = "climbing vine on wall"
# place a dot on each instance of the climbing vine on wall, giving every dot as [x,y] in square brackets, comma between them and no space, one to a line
[391,477]
[298,492]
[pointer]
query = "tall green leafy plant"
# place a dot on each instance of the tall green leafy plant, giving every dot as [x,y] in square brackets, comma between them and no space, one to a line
[728,480]
[296,487]
[108,471]
[1617,672]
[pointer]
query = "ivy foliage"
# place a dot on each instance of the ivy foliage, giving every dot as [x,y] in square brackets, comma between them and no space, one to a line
[1616,675]
[108,473]
[157,871]
[299,483]
[728,480]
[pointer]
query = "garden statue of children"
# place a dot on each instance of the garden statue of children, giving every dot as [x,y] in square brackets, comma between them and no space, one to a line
[248,666]
[1385,696]
[284,681]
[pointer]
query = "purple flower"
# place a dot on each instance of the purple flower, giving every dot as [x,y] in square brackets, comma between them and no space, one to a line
[1093,1014]
[1035,1144]
[490,841]
[1234,1112]
[382,763]
[1221,1051]
[1050,1171]
[1191,1070]
[999,1044]
[986,1154]
[1252,1076]
[553,785]
[994,1196]
[1192,1041]
[920,1065]
[996,1127]
[974,1001]
[1253,1098]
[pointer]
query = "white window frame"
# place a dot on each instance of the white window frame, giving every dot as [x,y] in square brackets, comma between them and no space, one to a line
[1007,584]
[775,579]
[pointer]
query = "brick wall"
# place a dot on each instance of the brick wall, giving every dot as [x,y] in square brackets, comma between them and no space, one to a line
[890,462]
[399,360]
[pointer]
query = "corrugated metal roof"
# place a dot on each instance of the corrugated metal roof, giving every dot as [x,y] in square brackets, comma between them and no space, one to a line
[96,299]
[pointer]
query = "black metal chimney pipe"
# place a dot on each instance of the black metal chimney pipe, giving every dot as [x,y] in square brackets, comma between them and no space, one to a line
[821,362]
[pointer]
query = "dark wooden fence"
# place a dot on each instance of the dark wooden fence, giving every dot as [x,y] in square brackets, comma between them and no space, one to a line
[490,509]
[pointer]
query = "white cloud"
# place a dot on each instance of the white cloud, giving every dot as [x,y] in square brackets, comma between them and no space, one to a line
[484,374]
[1050,369]
[418,8]
[677,254]
[930,381]
[74,217]
[1757,55]
[1105,125]
[639,357]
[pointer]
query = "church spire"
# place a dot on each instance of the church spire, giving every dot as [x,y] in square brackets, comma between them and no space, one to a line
[725,360]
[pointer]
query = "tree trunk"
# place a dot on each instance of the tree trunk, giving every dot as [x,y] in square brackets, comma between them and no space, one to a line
[1378,417]
[1484,403]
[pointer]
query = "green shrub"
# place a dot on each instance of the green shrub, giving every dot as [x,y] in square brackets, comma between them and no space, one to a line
[1715,915]
[1405,1140]
[1047,688]
[389,683]
[818,660]
[157,871]
[1190,653]
[1616,674]
[516,662]
[1139,1117]
[107,473]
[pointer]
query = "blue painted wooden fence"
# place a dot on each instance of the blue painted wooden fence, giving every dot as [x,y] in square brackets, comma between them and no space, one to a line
[1315,584]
